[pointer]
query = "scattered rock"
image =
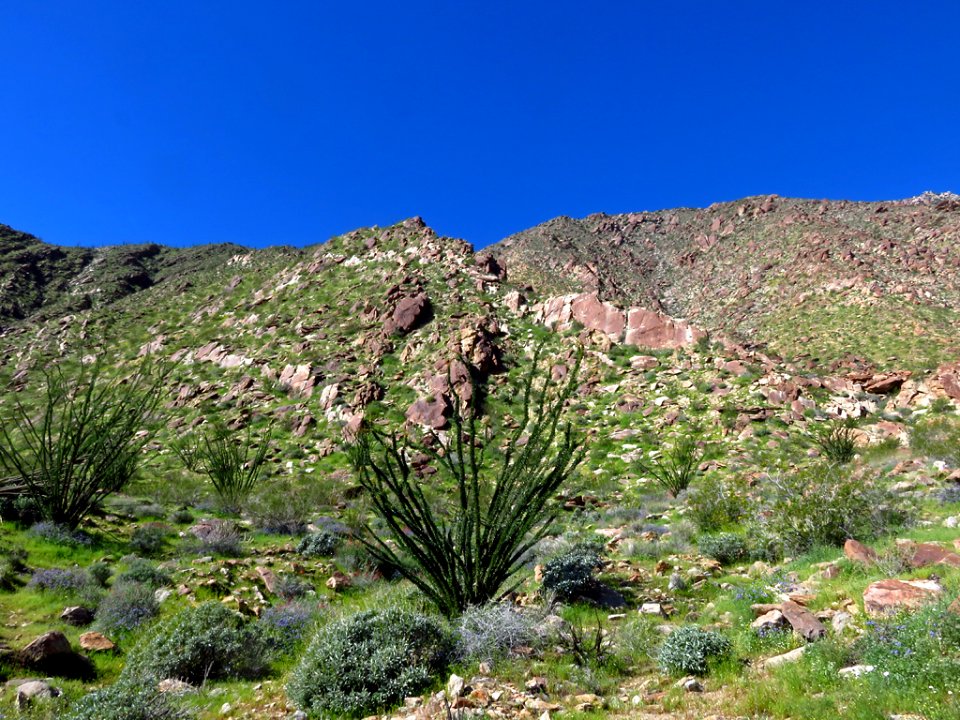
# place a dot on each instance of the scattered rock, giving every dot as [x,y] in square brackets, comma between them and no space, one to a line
[96,642]
[770,622]
[887,597]
[77,615]
[35,690]
[855,670]
[784,659]
[174,686]
[859,553]
[804,622]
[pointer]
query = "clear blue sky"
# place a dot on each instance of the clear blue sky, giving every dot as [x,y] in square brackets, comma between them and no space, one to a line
[288,122]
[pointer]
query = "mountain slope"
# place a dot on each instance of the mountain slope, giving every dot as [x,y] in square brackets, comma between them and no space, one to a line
[809,279]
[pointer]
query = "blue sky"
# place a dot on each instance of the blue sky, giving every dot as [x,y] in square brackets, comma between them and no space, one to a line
[288,122]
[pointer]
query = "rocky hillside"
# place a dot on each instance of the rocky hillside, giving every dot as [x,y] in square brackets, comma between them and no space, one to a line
[39,281]
[807,279]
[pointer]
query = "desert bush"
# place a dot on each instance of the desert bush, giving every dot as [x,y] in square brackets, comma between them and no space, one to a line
[675,466]
[465,555]
[825,505]
[368,662]
[571,574]
[492,631]
[182,516]
[919,648]
[290,587]
[949,494]
[233,464]
[127,701]
[85,441]
[715,502]
[101,572]
[60,534]
[319,544]
[284,627]
[207,641]
[149,539]
[688,650]
[145,572]
[61,580]
[281,509]
[725,547]
[586,643]
[938,438]
[223,538]
[126,606]
[836,440]
[637,640]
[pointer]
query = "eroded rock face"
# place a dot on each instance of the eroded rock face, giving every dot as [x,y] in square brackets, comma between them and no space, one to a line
[410,313]
[646,328]
[433,413]
[888,597]
[635,326]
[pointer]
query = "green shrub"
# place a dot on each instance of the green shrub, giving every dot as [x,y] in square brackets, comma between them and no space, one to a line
[208,641]
[84,442]
[149,539]
[143,571]
[233,464]
[126,606]
[688,650]
[825,505]
[675,466]
[100,572]
[369,662]
[725,547]
[836,440]
[126,701]
[319,544]
[181,516]
[938,438]
[715,503]
[571,574]
[464,553]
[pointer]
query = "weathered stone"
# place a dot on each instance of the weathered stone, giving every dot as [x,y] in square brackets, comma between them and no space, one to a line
[410,313]
[35,690]
[769,622]
[434,413]
[803,622]
[455,686]
[859,553]
[887,597]
[77,615]
[96,642]
[646,328]
[924,554]
[784,659]
[174,686]
[51,653]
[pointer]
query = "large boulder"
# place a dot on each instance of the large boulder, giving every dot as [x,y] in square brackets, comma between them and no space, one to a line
[51,653]
[431,412]
[650,329]
[888,597]
[411,312]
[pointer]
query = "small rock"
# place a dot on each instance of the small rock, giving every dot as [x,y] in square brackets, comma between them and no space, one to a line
[859,553]
[855,670]
[454,686]
[690,684]
[769,622]
[35,690]
[804,622]
[677,582]
[785,658]
[161,594]
[652,609]
[887,597]
[841,621]
[96,642]
[77,616]
[175,686]
[226,709]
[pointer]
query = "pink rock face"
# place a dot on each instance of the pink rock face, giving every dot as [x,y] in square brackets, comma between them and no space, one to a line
[432,413]
[803,622]
[298,379]
[596,315]
[949,378]
[411,312]
[888,597]
[646,328]
[859,553]
[556,313]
